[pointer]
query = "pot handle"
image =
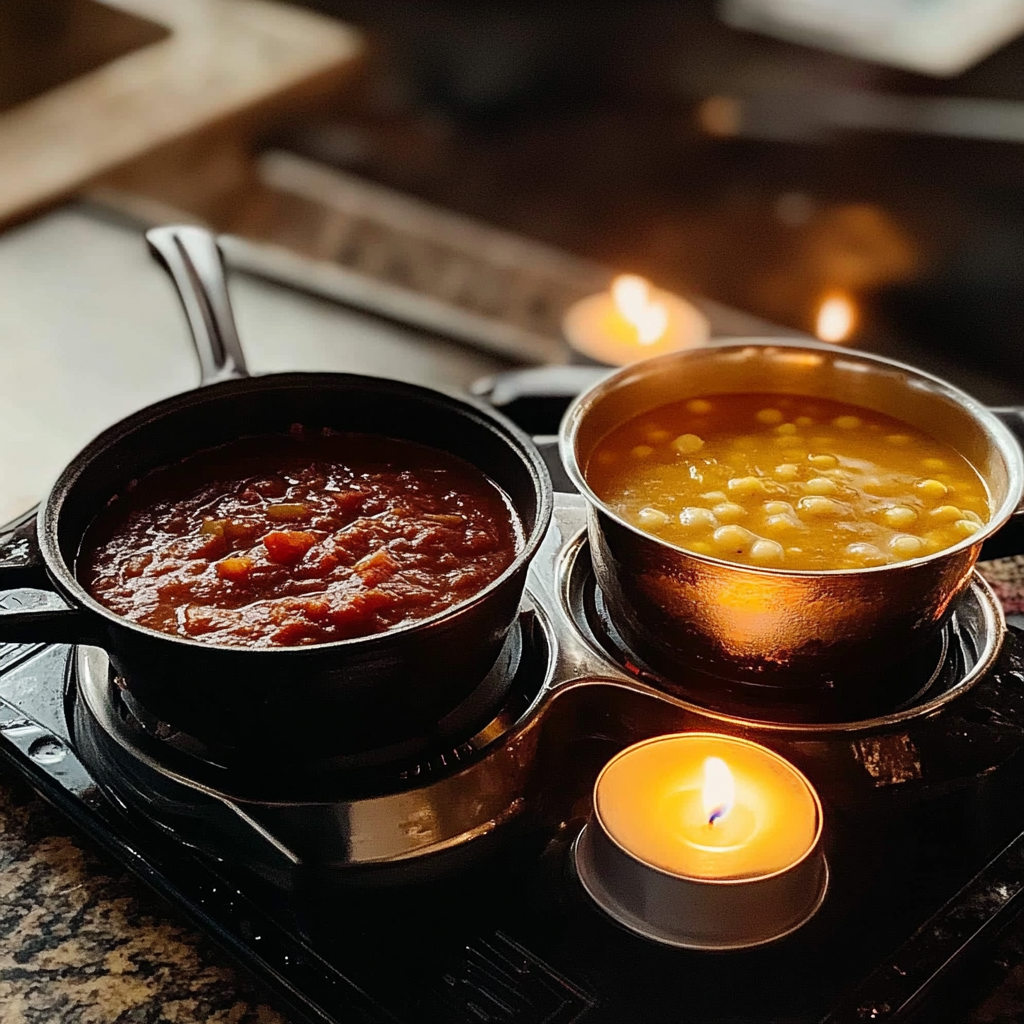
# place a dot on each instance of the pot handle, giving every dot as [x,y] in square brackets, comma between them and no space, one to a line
[31,611]
[1009,540]
[195,263]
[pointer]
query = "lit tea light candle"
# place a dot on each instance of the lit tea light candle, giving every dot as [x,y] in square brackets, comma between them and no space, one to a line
[707,806]
[633,321]
[704,841]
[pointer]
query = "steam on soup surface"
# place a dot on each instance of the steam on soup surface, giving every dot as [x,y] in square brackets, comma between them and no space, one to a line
[788,482]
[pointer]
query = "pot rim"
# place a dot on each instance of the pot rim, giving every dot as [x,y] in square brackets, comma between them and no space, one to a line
[1001,435]
[519,442]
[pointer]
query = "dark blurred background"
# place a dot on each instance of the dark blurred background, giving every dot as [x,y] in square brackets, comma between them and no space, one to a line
[646,137]
[473,169]
[654,138]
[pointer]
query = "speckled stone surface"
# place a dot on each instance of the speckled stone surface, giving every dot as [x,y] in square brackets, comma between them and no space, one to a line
[83,942]
[1007,578]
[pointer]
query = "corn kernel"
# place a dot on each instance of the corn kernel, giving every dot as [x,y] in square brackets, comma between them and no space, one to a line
[733,538]
[786,429]
[657,436]
[728,511]
[945,514]
[932,489]
[906,545]
[820,485]
[965,527]
[652,518]
[816,505]
[804,421]
[847,422]
[642,451]
[787,471]
[866,554]
[777,508]
[695,518]
[769,416]
[899,516]
[687,444]
[899,440]
[714,496]
[745,485]
[766,551]
[823,461]
[700,406]
[973,516]
[781,524]
[701,547]
[933,464]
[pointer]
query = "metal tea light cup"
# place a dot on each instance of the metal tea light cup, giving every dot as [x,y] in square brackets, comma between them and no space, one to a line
[701,913]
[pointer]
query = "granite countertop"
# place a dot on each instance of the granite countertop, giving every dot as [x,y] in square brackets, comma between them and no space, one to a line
[84,942]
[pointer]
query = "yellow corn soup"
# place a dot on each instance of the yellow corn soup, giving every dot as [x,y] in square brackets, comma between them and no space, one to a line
[788,482]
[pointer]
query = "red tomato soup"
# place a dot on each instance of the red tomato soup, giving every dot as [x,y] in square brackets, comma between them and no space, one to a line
[300,539]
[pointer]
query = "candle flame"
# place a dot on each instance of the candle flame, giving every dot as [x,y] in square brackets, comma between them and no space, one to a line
[719,789]
[837,316]
[632,296]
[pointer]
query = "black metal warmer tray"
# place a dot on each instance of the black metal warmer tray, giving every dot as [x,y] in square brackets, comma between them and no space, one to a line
[476,915]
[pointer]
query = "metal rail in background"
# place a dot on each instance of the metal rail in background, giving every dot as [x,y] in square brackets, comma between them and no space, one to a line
[337,236]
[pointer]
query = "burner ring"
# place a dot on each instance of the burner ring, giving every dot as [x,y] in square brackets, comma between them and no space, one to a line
[970,644]
[489,713]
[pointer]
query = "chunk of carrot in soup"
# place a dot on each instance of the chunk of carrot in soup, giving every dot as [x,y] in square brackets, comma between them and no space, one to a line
[376,567]
[359,608]
[235,569]
[288,546]
[348,501]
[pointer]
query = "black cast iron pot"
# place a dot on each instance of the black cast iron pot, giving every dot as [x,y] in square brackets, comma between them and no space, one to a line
[294,702]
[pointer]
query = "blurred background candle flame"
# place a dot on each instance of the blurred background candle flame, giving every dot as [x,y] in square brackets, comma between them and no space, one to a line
[632,320]
[836,319]
[719,792]
[632,296]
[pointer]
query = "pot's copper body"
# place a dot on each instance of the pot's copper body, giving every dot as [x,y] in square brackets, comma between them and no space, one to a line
[677,608]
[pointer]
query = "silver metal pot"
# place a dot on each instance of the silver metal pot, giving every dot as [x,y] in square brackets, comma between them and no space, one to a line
[780,627]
